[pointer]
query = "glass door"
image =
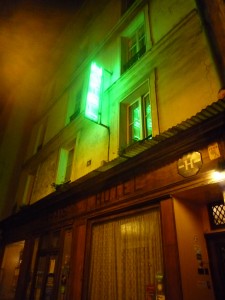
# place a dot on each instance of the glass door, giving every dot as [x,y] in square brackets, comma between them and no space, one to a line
[52,267]
[45,277]
[45,273]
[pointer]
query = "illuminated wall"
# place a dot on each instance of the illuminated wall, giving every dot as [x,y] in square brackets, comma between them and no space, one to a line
[177,67]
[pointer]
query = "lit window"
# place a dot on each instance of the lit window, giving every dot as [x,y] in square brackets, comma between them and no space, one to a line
[134,131]
[65,165]
[139,119]
[69,164]
[133,47]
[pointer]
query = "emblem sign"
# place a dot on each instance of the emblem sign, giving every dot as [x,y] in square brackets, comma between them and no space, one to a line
[189,164]
[214,151]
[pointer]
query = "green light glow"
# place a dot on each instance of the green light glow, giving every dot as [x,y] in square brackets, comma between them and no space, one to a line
[93,94]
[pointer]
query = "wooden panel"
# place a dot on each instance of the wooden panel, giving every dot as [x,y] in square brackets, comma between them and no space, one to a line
[170,250]
[78,261]
[216,245]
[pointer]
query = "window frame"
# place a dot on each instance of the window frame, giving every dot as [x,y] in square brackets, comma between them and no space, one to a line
[142,119]
[29,188]
[74,104]
[138,94]
[64,171]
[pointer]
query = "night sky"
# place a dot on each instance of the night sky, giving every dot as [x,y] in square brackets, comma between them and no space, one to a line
[29,33]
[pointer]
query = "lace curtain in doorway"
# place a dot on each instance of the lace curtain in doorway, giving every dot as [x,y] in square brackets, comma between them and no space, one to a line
[126,255]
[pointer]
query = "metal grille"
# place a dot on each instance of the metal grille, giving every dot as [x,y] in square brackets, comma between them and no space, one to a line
[217,215]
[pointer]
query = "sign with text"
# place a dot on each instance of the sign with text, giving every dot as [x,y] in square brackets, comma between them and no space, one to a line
[189,164]
[93,93]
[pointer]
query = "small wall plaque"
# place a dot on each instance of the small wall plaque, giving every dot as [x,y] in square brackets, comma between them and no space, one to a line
[213,151]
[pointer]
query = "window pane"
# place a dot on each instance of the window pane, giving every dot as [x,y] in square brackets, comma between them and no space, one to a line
[39,280]
[50,280]
[65,165]
[134,122]
[69,165]
[147,116]
[132,47]
[65,266]
[50,240]
[141,37]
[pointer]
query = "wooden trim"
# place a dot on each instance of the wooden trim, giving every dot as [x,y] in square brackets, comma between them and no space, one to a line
[77,262]
[170,250]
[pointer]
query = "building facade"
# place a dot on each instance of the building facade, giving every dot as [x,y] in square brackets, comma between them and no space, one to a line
[115,190]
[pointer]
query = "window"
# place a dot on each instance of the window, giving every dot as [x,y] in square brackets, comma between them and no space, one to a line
[217,215]
[65,165]
[133,42]
[74,104]
[138,120]
[38,137]
[69,165]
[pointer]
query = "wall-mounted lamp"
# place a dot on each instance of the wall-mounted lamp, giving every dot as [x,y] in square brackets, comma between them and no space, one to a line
[221,165]
[219,174]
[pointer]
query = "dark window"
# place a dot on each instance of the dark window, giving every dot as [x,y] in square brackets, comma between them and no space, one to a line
[134,46]
[126,4]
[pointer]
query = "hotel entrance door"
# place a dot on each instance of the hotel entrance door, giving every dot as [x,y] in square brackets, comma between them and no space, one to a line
[216,250]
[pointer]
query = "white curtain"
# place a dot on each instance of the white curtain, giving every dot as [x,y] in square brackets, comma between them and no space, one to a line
[126,255]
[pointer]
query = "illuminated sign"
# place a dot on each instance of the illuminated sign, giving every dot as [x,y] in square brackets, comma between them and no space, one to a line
[189,164]
[93,93]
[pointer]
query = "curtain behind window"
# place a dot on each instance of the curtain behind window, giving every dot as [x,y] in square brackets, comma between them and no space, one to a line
[126,255]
